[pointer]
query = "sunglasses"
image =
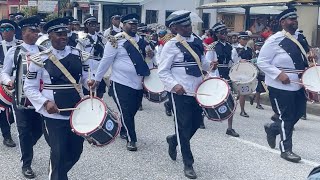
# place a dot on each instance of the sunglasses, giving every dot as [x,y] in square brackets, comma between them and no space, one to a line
[6,29]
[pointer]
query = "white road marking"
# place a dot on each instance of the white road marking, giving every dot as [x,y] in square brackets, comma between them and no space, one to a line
[305,161]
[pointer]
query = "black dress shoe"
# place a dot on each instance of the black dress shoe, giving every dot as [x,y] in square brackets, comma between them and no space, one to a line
[172,148]
[232,132]
[131,146]
[275,118]
[290,156]
[271,137]
[304,117]
[28,173]
[9,142]
[189,172]
[168,109]
[244,114]
[251,100]
[259,107]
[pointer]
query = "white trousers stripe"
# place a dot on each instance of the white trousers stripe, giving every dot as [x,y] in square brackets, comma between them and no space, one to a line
[118,102]
[175,120]
[282,126]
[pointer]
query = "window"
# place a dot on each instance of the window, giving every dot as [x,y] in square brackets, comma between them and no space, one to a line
[168,13]
[229,21]
[206,21]
[13,9]
[151,16]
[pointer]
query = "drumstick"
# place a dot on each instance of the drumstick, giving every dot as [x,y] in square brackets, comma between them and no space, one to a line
[90,89]
[294,82]
[68,109]
[208,72]
[201,94]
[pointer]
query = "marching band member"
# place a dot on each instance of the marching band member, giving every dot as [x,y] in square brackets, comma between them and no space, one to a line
[29,123]
[7,29]
[93,44]
[115,26]
[163,40]
[72,36]
[260,88]
[126,53]
[282,52]
[222,53]
[60,90]
[42,23]
[181,75]
[75,26]
[242,53]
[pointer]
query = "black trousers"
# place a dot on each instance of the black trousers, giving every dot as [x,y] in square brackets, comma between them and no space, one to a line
[290,105]
[4,125]
[128,101]
[29,124]
[66,147]
[188,116]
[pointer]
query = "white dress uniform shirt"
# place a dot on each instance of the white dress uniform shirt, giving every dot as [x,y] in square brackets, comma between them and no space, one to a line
[123,70]
[32,86]
[8,63]
[82,45]
[211,56]
[271,57]
[171,76]
[107,31]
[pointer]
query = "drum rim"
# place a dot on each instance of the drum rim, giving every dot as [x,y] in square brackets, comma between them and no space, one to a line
[226,118]
[94,130]
[246,81]
[6,96]
[229,92]
[144,86]
[306,88]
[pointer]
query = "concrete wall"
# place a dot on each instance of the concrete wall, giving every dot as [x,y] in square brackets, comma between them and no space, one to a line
[171,5]
[308,18]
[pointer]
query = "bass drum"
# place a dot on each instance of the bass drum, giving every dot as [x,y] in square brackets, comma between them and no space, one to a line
[44,41]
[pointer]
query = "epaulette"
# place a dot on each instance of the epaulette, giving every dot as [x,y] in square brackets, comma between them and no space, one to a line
[84,55]
[114,39]
[36,58]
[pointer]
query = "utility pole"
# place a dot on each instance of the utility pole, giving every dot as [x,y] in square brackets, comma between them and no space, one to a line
[200,13]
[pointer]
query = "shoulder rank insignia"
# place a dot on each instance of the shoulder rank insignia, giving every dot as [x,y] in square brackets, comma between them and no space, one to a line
[114,39]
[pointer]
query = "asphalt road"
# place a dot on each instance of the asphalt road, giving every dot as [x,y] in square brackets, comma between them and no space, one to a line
[217,155]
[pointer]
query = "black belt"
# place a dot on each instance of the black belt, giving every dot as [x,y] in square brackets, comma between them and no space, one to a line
[184,64]
[58,86]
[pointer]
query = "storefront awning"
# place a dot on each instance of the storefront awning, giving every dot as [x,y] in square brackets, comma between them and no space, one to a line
[123,2]
[252,3]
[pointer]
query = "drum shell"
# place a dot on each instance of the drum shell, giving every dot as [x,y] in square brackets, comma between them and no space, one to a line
[156,97]
[312,95]
[110,126]
[5,97]
[223,111]
[245,88]
[105,132]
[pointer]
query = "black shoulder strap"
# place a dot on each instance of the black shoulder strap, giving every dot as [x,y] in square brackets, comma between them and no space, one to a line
[15,56]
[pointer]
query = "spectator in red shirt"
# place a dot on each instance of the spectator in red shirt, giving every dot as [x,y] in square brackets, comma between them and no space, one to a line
[209,38]
[267,32]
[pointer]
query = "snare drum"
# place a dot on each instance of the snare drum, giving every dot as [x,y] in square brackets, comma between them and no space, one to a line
[311,79]
[5,97]
[154,87]
[244,77]
[214,96]
[94,121]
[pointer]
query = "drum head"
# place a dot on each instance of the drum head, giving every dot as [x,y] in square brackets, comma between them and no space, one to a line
[243,72]
[311,79]
[86,119]
[153,83]
[217,91]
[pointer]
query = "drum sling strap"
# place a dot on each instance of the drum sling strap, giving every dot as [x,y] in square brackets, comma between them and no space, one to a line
[56,62]
[194,54]
[133,42]
[289,36]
